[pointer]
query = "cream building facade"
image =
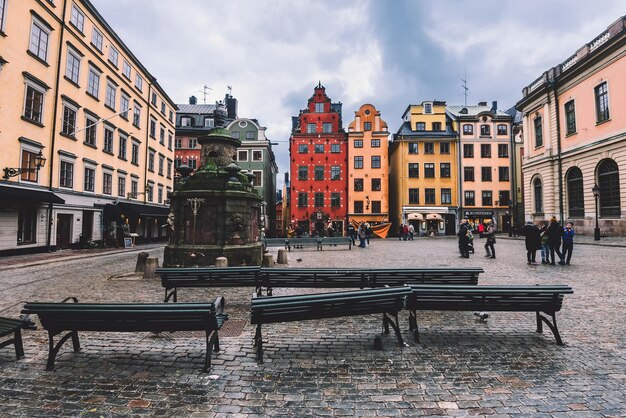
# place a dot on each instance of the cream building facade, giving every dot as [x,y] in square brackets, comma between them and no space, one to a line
[73,93]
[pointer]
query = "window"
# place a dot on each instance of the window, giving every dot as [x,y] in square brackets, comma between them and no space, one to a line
[302,200]
[485,130]
[429,196]
[358,185]
[192,164]
[608,181]
[429,147]
[375,161]
[152,128]
[138,82]
[193,144]
[170,137]
[26,225]
[69,120]
[153,99]
[503,150]
[319,172]
[375,143]
[72,66]
[538,132]
[420,126]
[485,173]
[335,200]
[90,179]
[310,128]
[414,196]
[122,147]
[504,198]
[151,161]
[186,121]
[257,155]
[469,198]
[303,149]
[78,18]
[376,185]
[487,198]
[124,105]
[258,178]
[502,129]
[134,155]
[575,194]
[133,188]
[319,200]
[111,92]
[358,143]
[468,173]
[97,38]
[93,83]
[414,170]
[429,170]
[113,55]
[367,126]
[436,126]
[468,129]
[209,122]
[178,143]
[413,147]
[570,118]
[358,162]
[136,115]
[428,108]
[444,148]
[327,127]
[121,186]
[162,135]
[149,190]
[503,173]
[303,173]
[178,162]
[107,183]
[161,164]
[468,150]
[319,107]
[234,134]
[2,15]
[335,148]
[126,69]
[66,177]
[335,172]
[39,37]
[485,150]
[444,170]
[107,145]
[249,135]
[28,161]
[90,131]
[376,206]
[538,194]
[242,155]
[358,206]
[33,105]
[446,196]
[319,148]
[163,108]
[602,102]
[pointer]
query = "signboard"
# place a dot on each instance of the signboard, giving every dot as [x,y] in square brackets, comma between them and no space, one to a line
[128,243]
[478,214]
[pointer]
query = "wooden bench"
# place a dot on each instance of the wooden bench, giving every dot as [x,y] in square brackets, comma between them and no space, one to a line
[322,278]
[543,300]
[388,301]
[334,241]
[132,317]
[206,277]
[442,275]
[9,326]
[303,242]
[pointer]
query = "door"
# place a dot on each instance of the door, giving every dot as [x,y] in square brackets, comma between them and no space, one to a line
[86,233]
[64,230]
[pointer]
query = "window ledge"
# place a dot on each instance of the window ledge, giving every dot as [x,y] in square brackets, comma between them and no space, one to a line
[92,96]
[107,152]
[34,122]
[571,134]
[604,121]
[122,158]
[29,52]
[73,138]
[3,34]
[135,163]
[69,80]
[90,145]
[110,108]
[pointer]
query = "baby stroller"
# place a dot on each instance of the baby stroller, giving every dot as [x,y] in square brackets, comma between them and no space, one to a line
[470,241]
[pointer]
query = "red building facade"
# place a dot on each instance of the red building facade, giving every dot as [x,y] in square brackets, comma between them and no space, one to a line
[318,158]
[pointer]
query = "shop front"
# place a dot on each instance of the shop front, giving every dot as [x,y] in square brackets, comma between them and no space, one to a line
[430,221]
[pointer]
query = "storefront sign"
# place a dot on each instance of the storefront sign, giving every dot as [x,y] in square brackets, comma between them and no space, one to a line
[478,214]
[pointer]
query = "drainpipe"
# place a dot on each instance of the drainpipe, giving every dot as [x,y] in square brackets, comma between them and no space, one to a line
[460,175]
[513,177]
[559,159]
[54,124]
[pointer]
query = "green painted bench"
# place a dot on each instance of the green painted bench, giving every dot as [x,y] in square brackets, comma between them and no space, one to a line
[322,278]
[72,317]
[387,301]
[545,301]
[303,242]
[13,327]
[334,241]
[438,275]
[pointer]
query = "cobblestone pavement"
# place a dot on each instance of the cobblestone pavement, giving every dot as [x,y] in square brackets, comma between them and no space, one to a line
[462,367]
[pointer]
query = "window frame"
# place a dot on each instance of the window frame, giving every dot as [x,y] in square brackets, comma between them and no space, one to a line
[469,172]
[89,179]
[97,39]
[77,18]
[429,170]
[466,148]
[446,196]
[72,66]
[538,131]
[36,49]
[66,174]
[107,142]
[335,172]
[486,174]
[601,94]
[41,92]
[93,82]
[414,196]
[376,161]
[358,162]
[413,170]
[430,196]
[469,198]
[569,108]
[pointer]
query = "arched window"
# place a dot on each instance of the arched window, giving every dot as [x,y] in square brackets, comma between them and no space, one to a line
[575,194]
[538,195]
[608,181]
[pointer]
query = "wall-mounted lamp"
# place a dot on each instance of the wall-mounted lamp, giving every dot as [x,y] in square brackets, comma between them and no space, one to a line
[39,161]
[133,195]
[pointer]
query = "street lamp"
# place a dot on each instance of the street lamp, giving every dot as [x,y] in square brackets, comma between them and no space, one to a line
[39,161]
[596,194]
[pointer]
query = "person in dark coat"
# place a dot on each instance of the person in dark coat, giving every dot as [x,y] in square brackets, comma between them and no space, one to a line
[463,239]
[532,240]
[554,232]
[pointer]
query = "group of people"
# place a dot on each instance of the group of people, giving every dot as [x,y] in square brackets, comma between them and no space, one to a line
[548,239]
[363,232]
[466,239]
[406,232]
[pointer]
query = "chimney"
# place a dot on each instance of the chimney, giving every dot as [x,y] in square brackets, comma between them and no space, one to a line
[193,100]
[231,106]
[494,106]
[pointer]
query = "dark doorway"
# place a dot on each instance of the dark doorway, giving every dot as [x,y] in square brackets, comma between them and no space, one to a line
[86,233]
[64,230]
[450,224]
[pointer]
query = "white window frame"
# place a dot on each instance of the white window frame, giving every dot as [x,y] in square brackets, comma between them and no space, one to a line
[3,11]
[139,82]
[124,105]
[67,160]
[428,108]
[111,95]
[91,123]
[258,175]
[73,108]
[114,55]
[104,139]
[42,91]
[106,173]
[33,150]
[122,150]
[126,69]
[43,30]
[260,152]
[121,180]
[97,39]
[93,82]
[77,18]
[72,65]
[240,152]
[89,166]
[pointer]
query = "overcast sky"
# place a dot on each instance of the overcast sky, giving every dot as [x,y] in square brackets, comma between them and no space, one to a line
[388,53]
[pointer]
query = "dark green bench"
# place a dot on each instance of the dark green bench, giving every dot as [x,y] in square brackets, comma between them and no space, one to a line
[173,278]
[388,301]
[127,317]
[275,242]
[439,275]
[9,326]
[303,242]
[543,300]
[324,278]
[334,241]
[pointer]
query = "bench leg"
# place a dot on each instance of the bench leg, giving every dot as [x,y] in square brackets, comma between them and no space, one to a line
[394,324]
[269,291]
[416,334]
[258,343]
[412,319]
[212,343]
[53,349]
[17,342]
[172,294]
[552,325]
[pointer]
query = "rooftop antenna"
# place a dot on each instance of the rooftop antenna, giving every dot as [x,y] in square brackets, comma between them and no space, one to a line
[204,92]
[464,85]
[230,90]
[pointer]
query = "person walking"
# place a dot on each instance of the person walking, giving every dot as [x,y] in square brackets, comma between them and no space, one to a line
[368,232]
[545,247]
[351,232]
[554,232]
[361,233]
[405,232]
[411,232]
[568,243]
[463,239]
[532,240]
[491,240]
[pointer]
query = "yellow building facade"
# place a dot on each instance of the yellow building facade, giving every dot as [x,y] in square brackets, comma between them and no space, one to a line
[73,93]
[424,171]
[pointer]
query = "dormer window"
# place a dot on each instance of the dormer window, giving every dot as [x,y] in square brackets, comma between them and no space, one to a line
[428,108]
[319,107]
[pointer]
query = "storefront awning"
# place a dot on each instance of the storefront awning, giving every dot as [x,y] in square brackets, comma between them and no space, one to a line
[141,209]
[24,195]
[433,216]
[368,218]
[414,216]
